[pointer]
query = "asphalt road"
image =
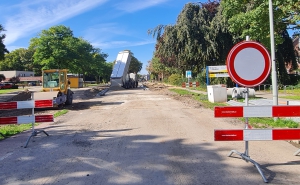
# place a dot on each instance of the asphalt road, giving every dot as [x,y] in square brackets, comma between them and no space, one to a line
[144,138]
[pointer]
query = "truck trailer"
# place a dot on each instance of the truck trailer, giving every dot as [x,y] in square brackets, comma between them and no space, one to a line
[120,76]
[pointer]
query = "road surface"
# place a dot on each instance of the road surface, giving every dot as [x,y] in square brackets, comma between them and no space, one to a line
[141,137]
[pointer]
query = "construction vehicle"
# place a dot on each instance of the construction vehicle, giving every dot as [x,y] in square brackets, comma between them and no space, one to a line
[119,76]
[133,80]
[56,85]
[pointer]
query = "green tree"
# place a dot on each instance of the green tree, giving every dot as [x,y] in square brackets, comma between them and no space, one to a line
[135,65]
[20,59]
[156,67]
[251,18]
[3,49]
[105,72]
[57,48]
[53,48]
[87,59]
[189,44]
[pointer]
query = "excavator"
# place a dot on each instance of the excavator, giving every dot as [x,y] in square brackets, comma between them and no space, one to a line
[56,85]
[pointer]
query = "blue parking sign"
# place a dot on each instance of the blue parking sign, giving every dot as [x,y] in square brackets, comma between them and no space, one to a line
[188,74]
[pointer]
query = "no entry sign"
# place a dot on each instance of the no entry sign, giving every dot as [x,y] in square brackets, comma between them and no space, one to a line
[248,63]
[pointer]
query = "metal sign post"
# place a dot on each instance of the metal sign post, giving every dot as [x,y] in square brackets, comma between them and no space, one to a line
[248,64]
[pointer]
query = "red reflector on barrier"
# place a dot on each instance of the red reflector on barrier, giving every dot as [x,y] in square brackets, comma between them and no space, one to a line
[8,120]
[44,118]
[286,111]
[43,103]
[229,111]
[8,105]
[229,135]
[286,134]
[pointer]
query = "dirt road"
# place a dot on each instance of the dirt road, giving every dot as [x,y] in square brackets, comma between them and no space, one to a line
[141,137]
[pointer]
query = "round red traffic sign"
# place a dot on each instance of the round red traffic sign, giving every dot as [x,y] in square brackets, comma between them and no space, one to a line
[248,63]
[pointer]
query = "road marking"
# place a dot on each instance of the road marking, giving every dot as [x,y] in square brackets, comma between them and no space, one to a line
[5,156]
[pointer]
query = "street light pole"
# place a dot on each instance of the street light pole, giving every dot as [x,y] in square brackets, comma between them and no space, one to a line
[274,73]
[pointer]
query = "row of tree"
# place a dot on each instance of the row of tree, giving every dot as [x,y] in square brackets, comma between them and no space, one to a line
[58,48]
[204,33]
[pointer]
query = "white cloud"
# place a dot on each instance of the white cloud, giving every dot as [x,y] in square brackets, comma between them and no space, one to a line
[113,35]
[34,15]
[104,31]
[136,5]
[121,44]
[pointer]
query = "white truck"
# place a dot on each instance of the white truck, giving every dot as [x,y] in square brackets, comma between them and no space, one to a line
[120,76]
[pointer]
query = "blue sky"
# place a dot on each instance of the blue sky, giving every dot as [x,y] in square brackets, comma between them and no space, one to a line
[111,25]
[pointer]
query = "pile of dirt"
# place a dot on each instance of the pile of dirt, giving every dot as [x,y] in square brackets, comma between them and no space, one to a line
[21,96]
[163,89]
[94,91]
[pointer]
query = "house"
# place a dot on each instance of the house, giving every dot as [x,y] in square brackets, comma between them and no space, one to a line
[10,74]
[296,44]
[26,77]
[296,47]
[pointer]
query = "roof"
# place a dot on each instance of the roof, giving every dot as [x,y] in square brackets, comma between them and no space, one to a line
[32,78]
[27,79]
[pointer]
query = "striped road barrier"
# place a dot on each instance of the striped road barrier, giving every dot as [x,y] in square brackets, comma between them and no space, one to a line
[30,104]
[256,134]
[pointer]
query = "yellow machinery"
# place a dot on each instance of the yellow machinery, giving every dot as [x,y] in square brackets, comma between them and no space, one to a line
[56,84]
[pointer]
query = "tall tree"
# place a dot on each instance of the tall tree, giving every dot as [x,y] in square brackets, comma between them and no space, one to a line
[135,65]
[188,45]
[20,59]
[52,48]
[3,49]
[251,18]
[105,71]
[57,48]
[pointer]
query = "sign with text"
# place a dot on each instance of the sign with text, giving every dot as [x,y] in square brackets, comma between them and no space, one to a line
[217,69]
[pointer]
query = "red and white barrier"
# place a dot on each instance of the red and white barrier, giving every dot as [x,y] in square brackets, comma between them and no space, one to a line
[258,111]
[26,104]
[26,119]
[257,134]
[31,104]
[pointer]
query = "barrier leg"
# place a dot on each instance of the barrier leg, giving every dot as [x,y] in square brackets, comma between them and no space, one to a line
[34,133]
[245,156]
[296,153]
[248,159]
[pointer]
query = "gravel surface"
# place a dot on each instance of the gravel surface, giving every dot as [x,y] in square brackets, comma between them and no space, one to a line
[144,136]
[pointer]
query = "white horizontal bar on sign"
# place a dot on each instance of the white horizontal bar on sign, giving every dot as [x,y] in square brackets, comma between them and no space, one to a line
[217,69]
[257,111]
[26,119]
[218,75]
[258,135]
[25,104]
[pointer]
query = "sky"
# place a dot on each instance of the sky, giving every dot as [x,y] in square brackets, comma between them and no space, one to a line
[110,25]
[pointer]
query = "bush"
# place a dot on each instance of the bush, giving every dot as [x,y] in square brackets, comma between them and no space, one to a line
[175,79]
[14,80]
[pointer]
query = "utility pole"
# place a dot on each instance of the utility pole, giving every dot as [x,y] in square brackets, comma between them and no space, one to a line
[273,60]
